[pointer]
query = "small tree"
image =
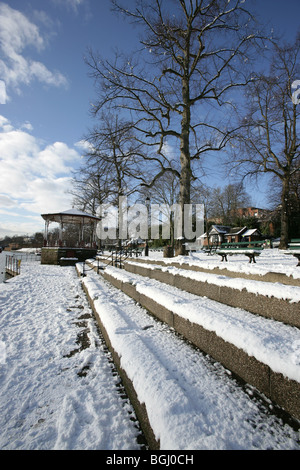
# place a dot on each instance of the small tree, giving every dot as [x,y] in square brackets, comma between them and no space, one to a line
[226,202]
[90,188]
[110,167]
[165,193]
[270,141]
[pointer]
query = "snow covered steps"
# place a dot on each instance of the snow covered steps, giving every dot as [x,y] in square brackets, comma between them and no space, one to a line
[269,276]
[186,400]
[271,300]
[263,352]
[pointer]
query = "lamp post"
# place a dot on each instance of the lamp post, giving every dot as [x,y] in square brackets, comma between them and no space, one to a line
[148,209]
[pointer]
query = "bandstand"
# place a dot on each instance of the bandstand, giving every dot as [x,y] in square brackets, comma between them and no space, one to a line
[62,254]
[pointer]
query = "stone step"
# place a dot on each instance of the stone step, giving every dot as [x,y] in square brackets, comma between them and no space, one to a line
[258,297]
[133,360]
[265,375]
[222,271]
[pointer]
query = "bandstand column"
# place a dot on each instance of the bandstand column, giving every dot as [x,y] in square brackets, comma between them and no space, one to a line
[46,232]
[61,226]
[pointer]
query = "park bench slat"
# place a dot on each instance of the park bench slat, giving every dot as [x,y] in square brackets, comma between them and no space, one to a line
[294,249]
[250,249]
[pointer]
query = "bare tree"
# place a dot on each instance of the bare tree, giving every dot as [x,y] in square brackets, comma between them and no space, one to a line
[270,141]
[165,194]
[226,202]
[90,188]
[201,193]
[192,54]
[110,164]
[115,155]
[274,198]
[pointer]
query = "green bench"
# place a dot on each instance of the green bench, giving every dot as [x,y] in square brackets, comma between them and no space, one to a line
[294,249]
[210,249]
[250,249]
[135,252]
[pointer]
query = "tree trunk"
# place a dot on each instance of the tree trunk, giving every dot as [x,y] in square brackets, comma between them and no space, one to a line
[284,234]
[185,160]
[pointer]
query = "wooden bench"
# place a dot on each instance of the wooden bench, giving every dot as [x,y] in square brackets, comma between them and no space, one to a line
[294,249]
[210,250]
[134,252]
[250,249]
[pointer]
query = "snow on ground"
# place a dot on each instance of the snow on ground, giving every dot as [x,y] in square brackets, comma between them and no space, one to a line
[54,398]
[191,401]
[50,396]
[270,342]
[276,289]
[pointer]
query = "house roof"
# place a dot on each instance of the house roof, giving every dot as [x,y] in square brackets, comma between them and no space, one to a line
[219,229]
[250,232]
[236,230]
[230,231]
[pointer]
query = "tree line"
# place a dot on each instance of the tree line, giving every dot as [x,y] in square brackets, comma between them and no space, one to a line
[206,79]
[23,241]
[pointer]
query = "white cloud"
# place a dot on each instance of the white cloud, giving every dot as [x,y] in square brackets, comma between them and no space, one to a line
[83,145]
[73,4]
[5,124]
[27,125]
[34,178]
[21,228]
[44,196]
[57,158]
[17,34]
[3,96]
[5,201]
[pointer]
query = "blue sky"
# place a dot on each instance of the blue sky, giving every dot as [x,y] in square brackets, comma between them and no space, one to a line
[45,94]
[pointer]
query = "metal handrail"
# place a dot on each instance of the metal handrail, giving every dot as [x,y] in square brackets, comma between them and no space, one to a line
[12,265]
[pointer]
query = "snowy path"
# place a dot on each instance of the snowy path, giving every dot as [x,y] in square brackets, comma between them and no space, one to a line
[51,397]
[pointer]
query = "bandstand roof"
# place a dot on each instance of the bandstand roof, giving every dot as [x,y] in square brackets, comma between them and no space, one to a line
[71,216]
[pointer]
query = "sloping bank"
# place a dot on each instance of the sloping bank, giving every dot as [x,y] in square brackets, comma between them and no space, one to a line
[271,300]
[263,352]
[255,273]
[184,402]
